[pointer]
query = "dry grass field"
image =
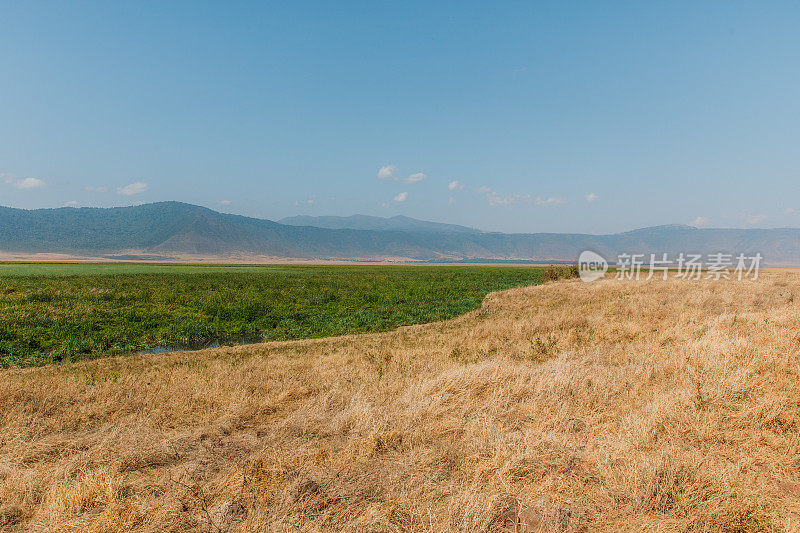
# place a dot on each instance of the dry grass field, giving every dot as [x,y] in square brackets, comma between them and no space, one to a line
[612,406]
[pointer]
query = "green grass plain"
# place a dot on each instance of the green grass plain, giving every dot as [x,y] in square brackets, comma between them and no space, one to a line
[57,312]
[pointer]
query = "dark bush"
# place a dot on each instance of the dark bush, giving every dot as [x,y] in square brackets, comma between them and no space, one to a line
[557,272]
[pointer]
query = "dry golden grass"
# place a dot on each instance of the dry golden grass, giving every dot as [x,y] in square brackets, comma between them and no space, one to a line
[614,406]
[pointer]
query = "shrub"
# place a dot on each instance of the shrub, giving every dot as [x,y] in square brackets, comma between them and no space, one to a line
[557,272]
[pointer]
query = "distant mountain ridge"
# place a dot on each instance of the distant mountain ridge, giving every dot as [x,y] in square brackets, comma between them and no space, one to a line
[364,222]
[179,229]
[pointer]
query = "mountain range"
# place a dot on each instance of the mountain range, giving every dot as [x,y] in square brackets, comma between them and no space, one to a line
[364,222]
[178,230]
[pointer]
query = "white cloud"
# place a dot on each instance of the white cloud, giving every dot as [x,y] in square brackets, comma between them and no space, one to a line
[224,202]
[96,189]
[384,204]
[132,188]
[451,201]
[307,201]
[549,201]
[591,197]
[454,185]
[25,183]
[701,221]
[496,199]
[756,219]
[71,203]
[401,197]
[30,183]
[388,172]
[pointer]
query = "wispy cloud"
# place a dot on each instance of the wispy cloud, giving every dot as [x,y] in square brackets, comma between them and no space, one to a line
[96,189]
[224,202]
[131,189]
[389,173]
[401,197]
[701,221]
[549,201]
[451,201]
[755,219]
[308,201]
[496,199]
[454,185]
[24,183]
[71,203]
[591,197]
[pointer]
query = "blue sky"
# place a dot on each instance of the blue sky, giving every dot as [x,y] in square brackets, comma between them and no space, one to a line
[510,116]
